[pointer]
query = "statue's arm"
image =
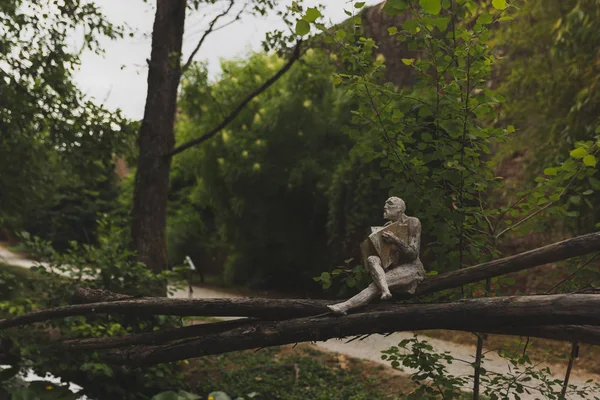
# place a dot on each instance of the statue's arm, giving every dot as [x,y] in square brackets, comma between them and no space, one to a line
[411,250]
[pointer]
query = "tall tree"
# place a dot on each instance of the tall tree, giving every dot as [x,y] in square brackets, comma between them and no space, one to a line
[157,139]
[157,136]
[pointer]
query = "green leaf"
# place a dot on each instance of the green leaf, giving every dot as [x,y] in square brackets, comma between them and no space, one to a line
[441,23]
[312,14]
[510,129]
[575,200]
[337,80]
[578,153]
[594,182]
[597,130]
[485,19]
[408,61]
[392,30]
[551,171]
[395,7]
[410,24]
[340,34]
[589,160]
[431,6]
[302,28]
[359,4]
[499,4]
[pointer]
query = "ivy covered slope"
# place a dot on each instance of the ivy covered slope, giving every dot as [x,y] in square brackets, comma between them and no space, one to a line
[550,71]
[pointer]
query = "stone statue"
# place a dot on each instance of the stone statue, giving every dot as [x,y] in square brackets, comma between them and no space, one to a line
[394,247]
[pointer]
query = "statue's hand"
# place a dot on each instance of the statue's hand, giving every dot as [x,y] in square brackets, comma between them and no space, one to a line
[389,237]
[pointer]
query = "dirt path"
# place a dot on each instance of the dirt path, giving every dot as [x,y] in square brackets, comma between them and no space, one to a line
[371,347]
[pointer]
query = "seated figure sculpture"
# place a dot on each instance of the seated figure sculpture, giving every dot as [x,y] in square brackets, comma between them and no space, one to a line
[404,268]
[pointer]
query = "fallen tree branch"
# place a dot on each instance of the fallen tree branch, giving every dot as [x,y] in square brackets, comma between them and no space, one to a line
[277,309]
[269,309]
[559,251]
[582,333]
[89,295]
[159,337]
[294,57]
[479,315]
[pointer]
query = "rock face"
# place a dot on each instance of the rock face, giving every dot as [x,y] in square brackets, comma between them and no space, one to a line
[376,22]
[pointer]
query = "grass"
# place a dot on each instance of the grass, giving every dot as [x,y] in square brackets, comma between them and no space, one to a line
[295,373]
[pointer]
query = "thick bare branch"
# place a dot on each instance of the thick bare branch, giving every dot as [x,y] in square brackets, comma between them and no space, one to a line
[155,338]
[577,246]
[89,295]
[581,333]
[471,315]
[232,115]
[269,309]
[567,333]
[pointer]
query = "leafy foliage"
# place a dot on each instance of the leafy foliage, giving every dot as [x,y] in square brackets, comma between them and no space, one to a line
[430,144]
[109,265]
[550,71]
[57,148]
[434,382]
[257,193]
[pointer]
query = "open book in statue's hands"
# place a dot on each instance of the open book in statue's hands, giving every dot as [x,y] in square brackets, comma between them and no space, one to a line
[375,244]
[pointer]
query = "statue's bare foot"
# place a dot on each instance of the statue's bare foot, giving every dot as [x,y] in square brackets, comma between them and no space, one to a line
[337,309]
[413,287]
[386,295]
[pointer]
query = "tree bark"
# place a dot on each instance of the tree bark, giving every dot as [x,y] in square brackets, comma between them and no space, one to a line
[471,315]
[157,138]
[574,247]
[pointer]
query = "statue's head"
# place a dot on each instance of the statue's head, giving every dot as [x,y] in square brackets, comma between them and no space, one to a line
[393,208]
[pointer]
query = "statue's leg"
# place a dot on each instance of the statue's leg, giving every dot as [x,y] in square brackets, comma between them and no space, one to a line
[406,277]
[378,275]
[361,299]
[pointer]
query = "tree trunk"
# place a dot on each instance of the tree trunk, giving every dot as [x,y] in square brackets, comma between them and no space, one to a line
[157,138]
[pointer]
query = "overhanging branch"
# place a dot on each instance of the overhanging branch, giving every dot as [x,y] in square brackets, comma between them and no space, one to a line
[294,57]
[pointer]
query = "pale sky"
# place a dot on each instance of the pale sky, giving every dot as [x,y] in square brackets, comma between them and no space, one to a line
[103,78]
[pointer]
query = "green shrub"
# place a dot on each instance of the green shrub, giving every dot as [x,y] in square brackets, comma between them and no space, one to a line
[109,265]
